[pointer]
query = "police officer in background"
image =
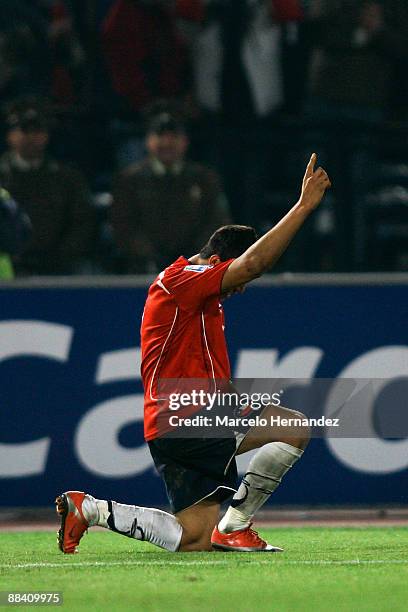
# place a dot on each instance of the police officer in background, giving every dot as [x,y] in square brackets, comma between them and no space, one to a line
[55,196]
[166,204]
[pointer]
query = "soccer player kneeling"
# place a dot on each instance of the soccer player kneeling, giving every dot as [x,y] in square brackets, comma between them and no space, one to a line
[182,336]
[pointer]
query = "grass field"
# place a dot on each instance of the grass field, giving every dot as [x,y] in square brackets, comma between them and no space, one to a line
[321,569]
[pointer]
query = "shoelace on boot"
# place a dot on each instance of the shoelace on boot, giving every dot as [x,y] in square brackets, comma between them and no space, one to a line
[257,539]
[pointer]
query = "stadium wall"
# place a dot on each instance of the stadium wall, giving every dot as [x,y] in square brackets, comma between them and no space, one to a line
[71,402]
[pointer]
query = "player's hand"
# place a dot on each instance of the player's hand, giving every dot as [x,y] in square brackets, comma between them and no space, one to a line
[315,183]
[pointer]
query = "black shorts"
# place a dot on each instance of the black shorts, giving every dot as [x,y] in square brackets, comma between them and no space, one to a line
[196,468]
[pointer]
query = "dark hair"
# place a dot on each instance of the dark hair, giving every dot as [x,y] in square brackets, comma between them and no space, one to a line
[28,113]
[165,122]
[229,241]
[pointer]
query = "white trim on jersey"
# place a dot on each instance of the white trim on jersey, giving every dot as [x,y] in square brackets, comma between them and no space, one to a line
[155,399]
[160,283]
[208,351]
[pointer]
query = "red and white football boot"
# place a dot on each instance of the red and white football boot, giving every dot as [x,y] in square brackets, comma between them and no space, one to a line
[73,522]
[243,540]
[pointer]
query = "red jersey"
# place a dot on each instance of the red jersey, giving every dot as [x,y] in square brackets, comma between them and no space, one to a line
[182,332]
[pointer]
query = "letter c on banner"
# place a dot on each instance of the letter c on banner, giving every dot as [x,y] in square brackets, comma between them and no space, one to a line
[36,339]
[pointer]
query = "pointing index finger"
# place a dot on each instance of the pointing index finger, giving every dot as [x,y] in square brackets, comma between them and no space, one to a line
[310,166]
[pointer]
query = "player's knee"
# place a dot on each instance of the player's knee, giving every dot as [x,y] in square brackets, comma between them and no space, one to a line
[196,547]
[195,539]
[195,543]
[302,432]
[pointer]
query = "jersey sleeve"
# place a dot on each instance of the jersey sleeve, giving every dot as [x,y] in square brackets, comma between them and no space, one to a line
[192,285]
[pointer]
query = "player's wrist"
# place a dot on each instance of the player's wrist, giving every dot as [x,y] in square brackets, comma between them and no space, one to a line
[304,206]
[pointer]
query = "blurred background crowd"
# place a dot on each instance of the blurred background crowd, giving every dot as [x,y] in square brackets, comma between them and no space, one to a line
[134,128]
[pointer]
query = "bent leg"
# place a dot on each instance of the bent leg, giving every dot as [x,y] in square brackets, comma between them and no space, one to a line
[279,449]
[188,530]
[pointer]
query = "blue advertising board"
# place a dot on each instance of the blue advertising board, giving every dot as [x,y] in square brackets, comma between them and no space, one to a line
[71,397]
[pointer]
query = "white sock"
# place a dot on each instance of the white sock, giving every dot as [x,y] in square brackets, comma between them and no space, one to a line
[154,526]
[264,474]
[90,510]
[103,513]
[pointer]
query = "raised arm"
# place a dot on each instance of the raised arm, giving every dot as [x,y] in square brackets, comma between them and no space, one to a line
[265,252]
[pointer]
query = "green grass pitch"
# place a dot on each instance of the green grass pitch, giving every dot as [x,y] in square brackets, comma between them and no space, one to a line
[330,569]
